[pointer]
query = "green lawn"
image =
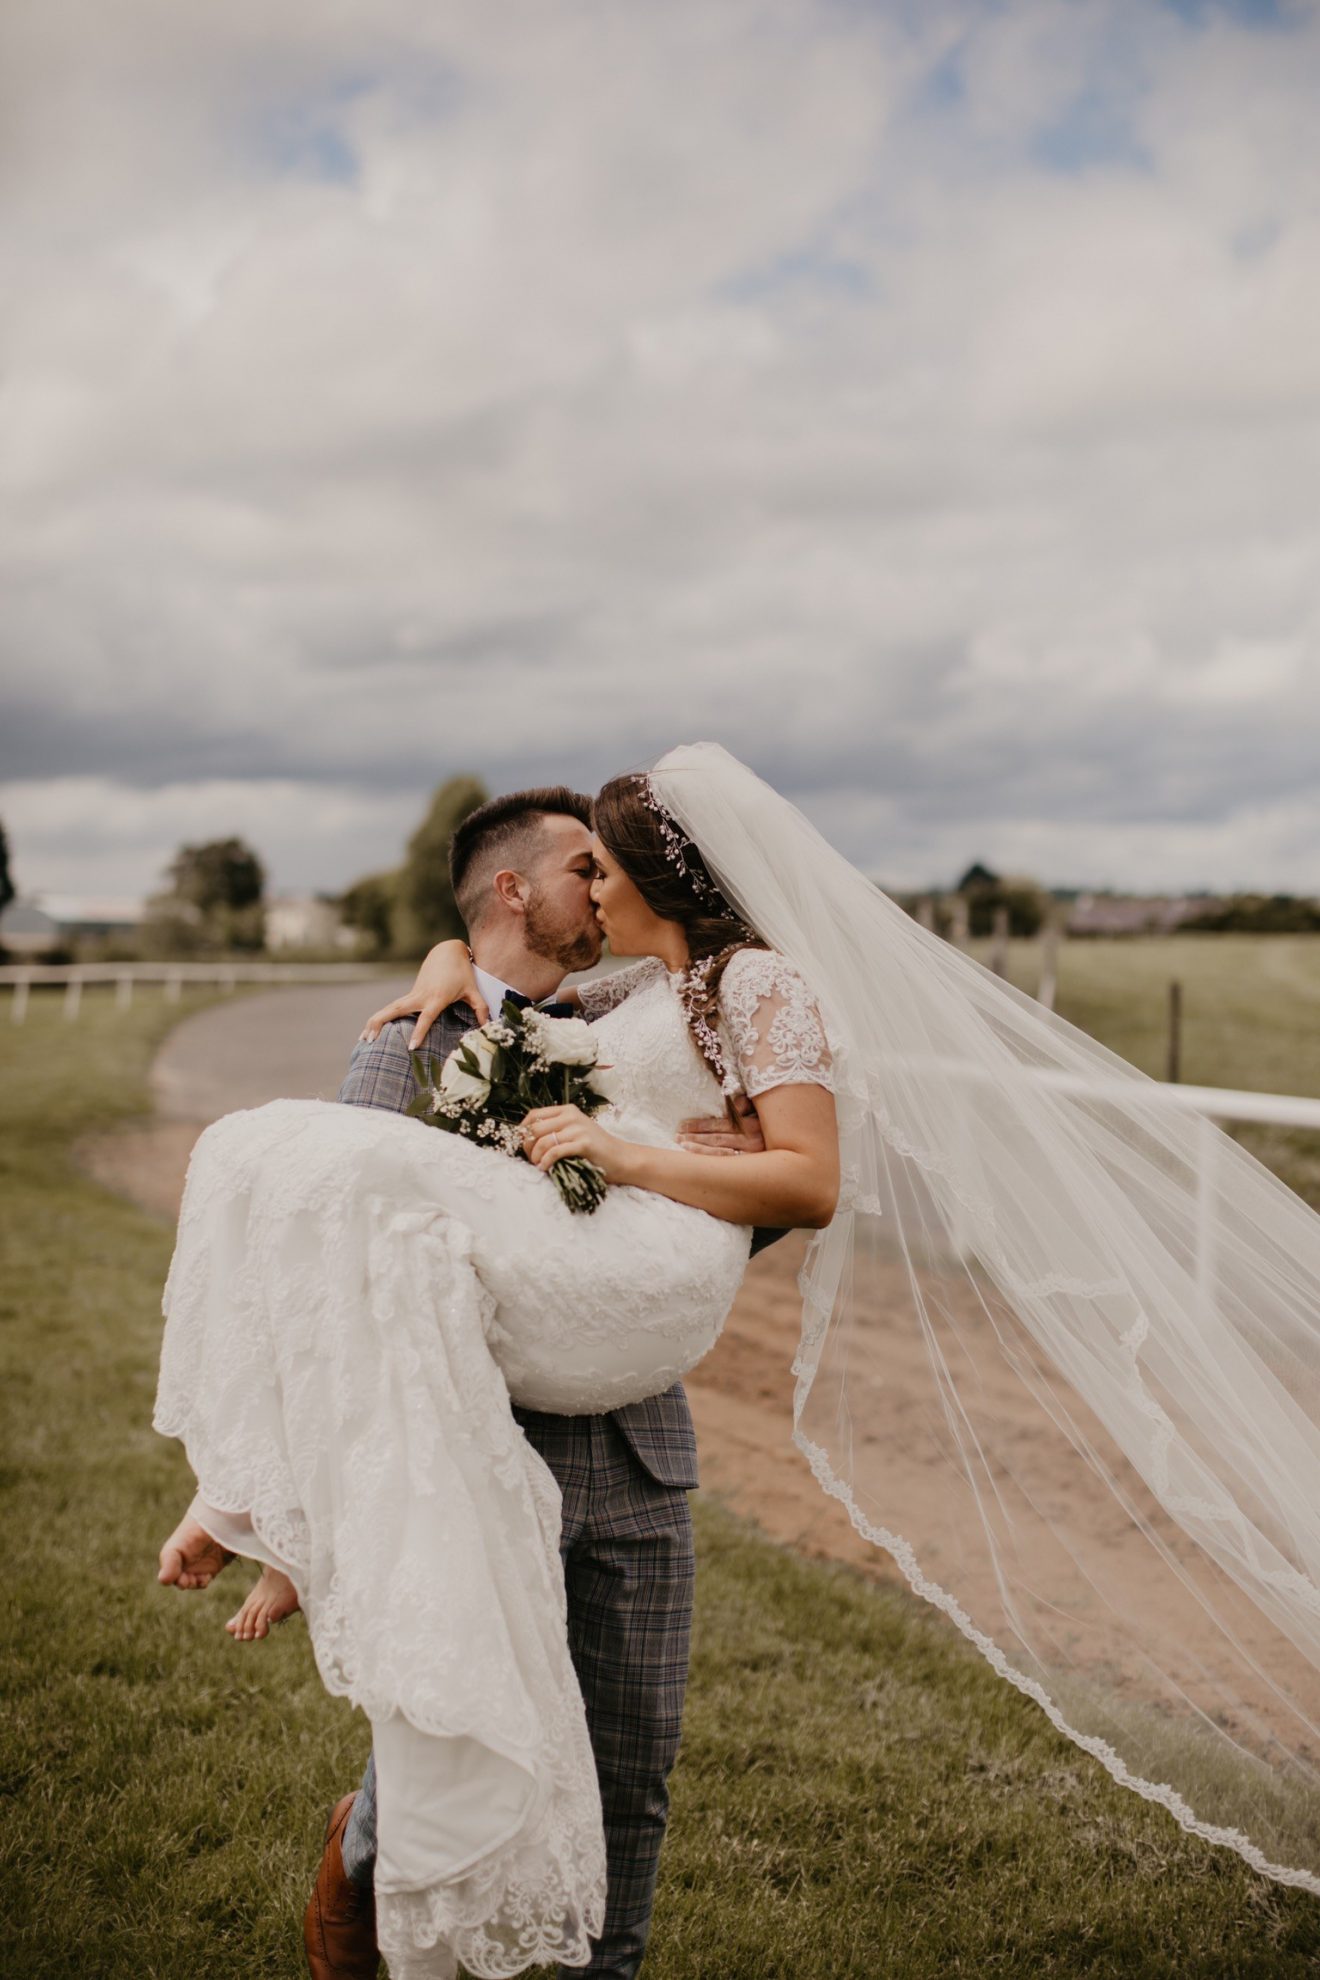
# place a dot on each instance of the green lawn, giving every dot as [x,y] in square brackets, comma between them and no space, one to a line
[857,1796]
[1251,1004]
[1250,1019]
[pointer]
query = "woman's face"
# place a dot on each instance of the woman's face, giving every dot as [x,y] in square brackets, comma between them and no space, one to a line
[628,924]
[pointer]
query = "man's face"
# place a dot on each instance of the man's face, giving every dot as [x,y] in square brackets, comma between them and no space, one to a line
[560,923]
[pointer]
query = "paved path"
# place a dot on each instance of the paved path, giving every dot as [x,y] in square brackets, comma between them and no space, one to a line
[292,1043]
[282,1044]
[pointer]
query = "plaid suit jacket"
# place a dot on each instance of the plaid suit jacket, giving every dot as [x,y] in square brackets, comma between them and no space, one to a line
[658,1431]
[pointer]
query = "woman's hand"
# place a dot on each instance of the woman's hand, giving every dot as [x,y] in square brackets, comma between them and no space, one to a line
[446,977]
[551,1133]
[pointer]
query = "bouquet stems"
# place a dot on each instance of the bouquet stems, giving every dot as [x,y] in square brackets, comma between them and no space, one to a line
[579,1182]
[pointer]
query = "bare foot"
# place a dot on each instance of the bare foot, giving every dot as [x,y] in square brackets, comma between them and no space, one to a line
[272,1600]
[190,1558]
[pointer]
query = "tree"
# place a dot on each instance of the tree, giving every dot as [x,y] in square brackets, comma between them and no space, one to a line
[214,898]
[225,873]
[1257,914]
[985,891]
[976,876]
[6,881]
[403,911]
[369,905]
[425,909]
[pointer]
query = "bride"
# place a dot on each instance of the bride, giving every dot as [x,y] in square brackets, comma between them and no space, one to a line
[354,1300]
[1060,1357]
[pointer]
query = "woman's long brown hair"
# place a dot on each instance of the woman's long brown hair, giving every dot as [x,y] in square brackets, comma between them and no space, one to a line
[629,827]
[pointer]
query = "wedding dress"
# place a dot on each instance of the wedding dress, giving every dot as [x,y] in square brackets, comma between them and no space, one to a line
[354,1298]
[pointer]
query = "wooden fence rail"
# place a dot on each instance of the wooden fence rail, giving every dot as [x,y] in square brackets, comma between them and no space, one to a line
[74,978]
[1213,1104]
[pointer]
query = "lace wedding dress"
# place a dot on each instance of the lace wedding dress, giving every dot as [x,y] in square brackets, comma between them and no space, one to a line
[353,1300]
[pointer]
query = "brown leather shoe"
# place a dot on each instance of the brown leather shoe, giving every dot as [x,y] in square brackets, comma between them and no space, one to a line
[339,1927]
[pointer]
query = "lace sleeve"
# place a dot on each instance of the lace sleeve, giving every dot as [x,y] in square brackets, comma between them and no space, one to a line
[602,993]
[773,1023]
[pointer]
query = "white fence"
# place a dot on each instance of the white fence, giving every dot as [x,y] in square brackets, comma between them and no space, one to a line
[74,978]
[1213,1104]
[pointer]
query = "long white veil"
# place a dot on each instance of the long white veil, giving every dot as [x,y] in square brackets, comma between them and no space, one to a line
[1061,1347]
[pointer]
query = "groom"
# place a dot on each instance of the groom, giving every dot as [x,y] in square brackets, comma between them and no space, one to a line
[522,869]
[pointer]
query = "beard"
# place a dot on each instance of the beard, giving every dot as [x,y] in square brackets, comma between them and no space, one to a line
[572,943]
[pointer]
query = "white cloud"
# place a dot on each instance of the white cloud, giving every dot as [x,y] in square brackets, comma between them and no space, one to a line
[924,402]
[94,836]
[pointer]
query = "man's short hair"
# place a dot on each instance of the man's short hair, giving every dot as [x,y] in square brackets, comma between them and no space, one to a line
[504,832]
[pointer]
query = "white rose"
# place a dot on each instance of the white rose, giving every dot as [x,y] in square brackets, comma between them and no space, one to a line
[456,1082]
[562,1041]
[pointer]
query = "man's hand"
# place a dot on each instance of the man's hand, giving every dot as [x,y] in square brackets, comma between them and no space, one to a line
[713,1134]
[190,1558]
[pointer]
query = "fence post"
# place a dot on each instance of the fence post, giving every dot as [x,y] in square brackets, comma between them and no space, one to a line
[22,988]
[73,998]
[960,924]
[173,987]
[1173,1071]
[124,992]
[1049,964]
[999,943]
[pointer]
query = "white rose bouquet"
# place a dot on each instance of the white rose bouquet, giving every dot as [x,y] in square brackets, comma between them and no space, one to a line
[499,1072]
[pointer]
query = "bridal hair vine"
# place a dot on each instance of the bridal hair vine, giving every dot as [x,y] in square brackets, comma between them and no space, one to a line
[703,887]
[693,994]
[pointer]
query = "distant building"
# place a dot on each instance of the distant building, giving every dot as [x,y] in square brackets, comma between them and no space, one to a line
[27,927]
[1131,914]
[302,921]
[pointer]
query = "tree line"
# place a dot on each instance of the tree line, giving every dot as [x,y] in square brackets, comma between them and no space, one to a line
[214,900]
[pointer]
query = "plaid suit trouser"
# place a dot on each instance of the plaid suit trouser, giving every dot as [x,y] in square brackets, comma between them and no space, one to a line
[629,1569]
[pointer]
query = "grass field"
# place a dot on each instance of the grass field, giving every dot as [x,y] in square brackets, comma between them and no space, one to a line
[1251,1019]
[857,1796]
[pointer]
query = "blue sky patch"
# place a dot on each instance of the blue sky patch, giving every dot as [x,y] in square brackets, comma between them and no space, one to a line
[801,268]
[306,135]
[943,87]
[1093,130]
[1248,13]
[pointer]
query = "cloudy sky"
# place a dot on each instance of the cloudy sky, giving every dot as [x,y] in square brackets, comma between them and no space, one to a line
[922,397]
